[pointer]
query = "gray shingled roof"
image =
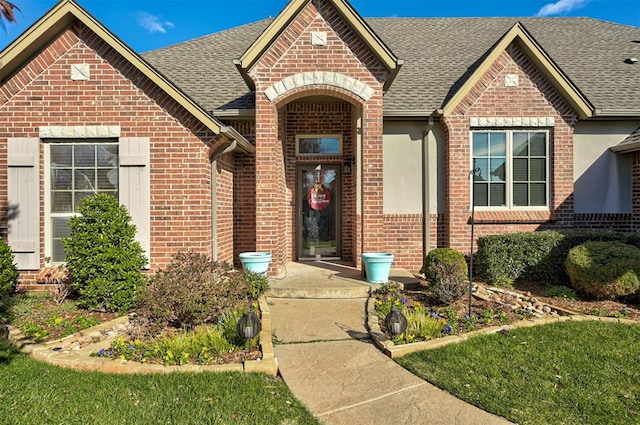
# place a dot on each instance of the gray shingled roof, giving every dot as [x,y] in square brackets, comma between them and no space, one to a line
[437,52]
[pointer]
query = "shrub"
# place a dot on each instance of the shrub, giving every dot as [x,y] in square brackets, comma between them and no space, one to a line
[258,283]
[423,325]
[561,292]
[8,273]
[604,270]
[103,257]
[537,256]
[446,269]
[192,290]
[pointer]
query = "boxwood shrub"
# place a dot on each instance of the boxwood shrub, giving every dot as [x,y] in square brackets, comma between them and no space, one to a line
[537,256]
[8,274]
[446,270]
[604,270]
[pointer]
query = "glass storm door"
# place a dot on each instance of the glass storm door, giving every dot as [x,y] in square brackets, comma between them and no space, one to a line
[319,212]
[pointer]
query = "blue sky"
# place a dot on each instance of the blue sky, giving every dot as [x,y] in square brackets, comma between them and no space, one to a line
[147,24]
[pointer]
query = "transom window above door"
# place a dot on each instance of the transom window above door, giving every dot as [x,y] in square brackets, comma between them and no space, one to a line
[319,144]
[512,169]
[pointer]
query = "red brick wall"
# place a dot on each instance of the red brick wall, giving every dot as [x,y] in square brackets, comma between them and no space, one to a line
[290,54]
[42,94]
[534,97]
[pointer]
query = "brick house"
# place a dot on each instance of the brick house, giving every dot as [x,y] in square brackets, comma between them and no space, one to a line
[319,134]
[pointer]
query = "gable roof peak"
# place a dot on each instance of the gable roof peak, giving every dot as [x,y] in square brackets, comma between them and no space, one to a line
[291,11]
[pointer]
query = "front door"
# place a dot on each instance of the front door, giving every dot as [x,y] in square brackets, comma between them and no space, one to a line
[319,208]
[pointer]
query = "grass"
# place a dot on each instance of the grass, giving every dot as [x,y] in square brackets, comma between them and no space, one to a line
[564,373]
[36,393]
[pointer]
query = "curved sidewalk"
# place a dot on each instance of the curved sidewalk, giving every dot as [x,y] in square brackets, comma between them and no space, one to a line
[327,360]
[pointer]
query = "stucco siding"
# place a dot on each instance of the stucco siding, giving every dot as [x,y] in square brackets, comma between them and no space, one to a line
[402,166]
[602,179]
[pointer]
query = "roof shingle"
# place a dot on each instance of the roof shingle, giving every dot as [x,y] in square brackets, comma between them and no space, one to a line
[437,53]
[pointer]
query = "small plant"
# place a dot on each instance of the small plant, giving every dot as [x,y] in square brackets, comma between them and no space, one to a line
[523,313]
[192,290]
[102,255]
[33,330]
[258,283]
[8,273]
[446,269]
[423,325]
[70,327]
[561,292]
[604,270]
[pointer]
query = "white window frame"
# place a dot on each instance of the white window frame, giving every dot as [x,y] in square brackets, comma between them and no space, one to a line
[318,136]
[509,169]
[48,231]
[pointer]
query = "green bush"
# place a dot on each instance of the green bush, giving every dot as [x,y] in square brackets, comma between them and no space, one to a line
[446,269]
[192,290]
[604,270]
[8,273]
[536,256]
[560,292]
[258,283]
[103,257]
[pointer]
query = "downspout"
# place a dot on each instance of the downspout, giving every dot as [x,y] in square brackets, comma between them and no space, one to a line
[426,193]
[214,197]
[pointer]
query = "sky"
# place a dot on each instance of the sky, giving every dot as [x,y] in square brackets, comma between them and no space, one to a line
[150,24]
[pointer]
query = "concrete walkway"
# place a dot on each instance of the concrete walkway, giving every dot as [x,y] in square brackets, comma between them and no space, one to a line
[327,360]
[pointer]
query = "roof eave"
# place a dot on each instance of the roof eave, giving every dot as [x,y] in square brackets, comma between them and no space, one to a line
[626,148]
[616,113]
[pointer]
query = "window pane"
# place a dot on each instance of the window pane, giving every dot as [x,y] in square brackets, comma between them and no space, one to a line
[483,165]
[521,195]
[61,202]
[538,170]
[61,155]
[537,144]
[498,144]
[498,198]
[498,169]
[107,179]
[108,155]
[60,179]
[520,144]
[520,170]
[538,195]
[481,194]
[319,145]
[85,179]
[480,144]
[59,229]
[84,155]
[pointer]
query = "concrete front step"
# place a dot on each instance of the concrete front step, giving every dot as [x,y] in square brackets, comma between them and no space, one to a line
[324,280]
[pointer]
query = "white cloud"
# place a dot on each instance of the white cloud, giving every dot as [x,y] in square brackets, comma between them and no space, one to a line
[561,6]
[152,23]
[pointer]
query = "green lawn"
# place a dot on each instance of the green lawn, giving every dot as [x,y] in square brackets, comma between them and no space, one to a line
[565,373]
[35,393]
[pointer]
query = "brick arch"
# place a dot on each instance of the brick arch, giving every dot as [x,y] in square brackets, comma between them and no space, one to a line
[318,90]
[306,80]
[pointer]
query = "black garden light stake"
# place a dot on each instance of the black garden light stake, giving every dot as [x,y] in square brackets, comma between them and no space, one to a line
[4,333]
[476,172]
[249,325]
[396,322]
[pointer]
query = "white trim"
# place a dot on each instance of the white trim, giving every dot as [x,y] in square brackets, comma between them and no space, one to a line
[80,132]
[511,122]
[509,169]
[318,136]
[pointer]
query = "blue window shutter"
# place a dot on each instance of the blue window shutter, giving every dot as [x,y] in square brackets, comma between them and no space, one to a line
[23,187]
[134,186]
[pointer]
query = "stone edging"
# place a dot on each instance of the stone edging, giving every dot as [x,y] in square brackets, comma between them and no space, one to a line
[81,360]
[395,351]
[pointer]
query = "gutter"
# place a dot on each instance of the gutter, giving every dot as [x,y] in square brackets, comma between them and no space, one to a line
[427,137]
[612,113]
